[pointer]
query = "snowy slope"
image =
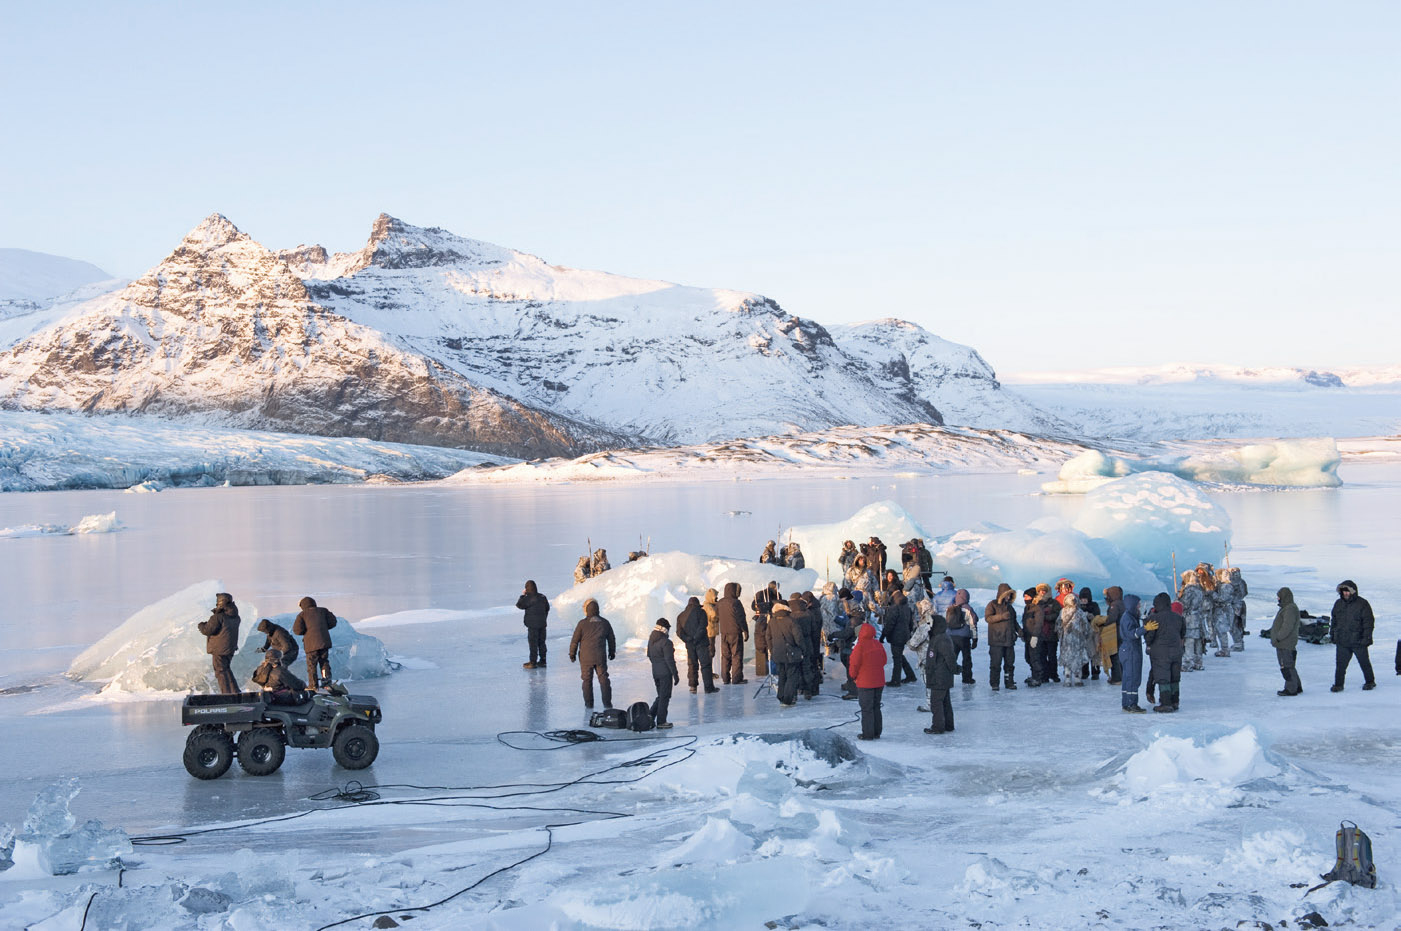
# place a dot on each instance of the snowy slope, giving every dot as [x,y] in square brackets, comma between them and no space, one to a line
[223,328]
[953,377]
[665,361]
[1194,402]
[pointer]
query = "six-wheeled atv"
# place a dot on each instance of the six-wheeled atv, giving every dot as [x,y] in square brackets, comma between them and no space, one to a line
[264,730]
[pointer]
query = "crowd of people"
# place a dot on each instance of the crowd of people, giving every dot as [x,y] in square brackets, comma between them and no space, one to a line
[1064,635]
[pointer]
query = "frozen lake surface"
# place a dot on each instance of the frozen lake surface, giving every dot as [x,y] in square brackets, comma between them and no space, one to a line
[1028,816]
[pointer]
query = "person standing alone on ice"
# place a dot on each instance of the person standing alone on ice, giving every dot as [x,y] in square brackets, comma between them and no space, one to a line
[537,608]
[221,641]
[662,655]
[592,646]
[1284,637]
[868,670]
[1352,634]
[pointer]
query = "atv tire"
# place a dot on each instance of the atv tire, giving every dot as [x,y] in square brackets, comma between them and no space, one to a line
[355,746]
[208,753]
[261,751]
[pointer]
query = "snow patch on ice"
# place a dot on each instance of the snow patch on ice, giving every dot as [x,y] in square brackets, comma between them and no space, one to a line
[632,596]
[1226,762]
[93,523]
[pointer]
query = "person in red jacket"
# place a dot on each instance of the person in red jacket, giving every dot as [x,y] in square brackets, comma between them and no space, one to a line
[867,668]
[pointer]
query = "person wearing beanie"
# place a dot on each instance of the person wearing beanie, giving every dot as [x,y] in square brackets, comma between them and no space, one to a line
[664,672]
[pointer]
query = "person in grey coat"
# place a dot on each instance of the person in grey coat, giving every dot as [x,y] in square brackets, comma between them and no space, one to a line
[940,664]
[592,646]
[1130,653]
[1284,637]
[1165,633]
[789,651]
[1353,624]
[664,672]
[221,641]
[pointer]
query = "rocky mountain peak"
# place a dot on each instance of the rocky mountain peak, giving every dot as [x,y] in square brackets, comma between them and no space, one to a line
[212,232]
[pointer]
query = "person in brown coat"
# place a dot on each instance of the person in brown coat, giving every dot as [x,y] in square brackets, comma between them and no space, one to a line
[314,625]
[592,646]
[221,641]
[734,632]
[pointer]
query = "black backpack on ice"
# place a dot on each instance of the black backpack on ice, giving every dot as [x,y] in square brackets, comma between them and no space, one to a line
[640,716]
[1354,859]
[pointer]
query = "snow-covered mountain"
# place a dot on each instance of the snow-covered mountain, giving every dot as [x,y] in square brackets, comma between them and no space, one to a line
[37,288]
[224,329]
[665,362]
[1197,402]
[951,376]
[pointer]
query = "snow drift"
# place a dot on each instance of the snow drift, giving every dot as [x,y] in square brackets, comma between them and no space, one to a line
[160,649]
[632,596]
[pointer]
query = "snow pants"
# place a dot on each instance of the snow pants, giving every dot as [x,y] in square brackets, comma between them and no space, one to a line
[1048,659]
[318,668]
[698,665]
[587,671]
[790,677]
[963,652]
[732,659]
[536,636]
[1004,657]
[761,646]
[870,712]
[1194,650]
[1131,672]
[899,665]
[1287,658]
[663,702]
[223,675]
[1345,655]
[940,711]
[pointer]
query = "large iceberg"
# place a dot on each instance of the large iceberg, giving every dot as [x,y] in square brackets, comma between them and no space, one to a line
[160,648]
[1155,517]
[1309,463]
[1045,550]
[635,594]
[822,543]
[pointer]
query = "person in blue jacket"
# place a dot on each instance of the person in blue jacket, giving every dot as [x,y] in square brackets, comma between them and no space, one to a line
[1131,654]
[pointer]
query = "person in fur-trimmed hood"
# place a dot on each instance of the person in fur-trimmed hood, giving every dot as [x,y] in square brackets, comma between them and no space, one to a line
[1074,641]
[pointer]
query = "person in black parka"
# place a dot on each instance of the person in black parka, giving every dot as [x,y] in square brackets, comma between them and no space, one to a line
[221,641]
[691,626]
[278,638]
[899,626]
[537,608]
[1165,632]
[1353,624]
[592,646]
[664,673]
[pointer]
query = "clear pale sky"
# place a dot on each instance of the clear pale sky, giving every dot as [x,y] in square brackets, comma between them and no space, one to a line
[1059,185]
